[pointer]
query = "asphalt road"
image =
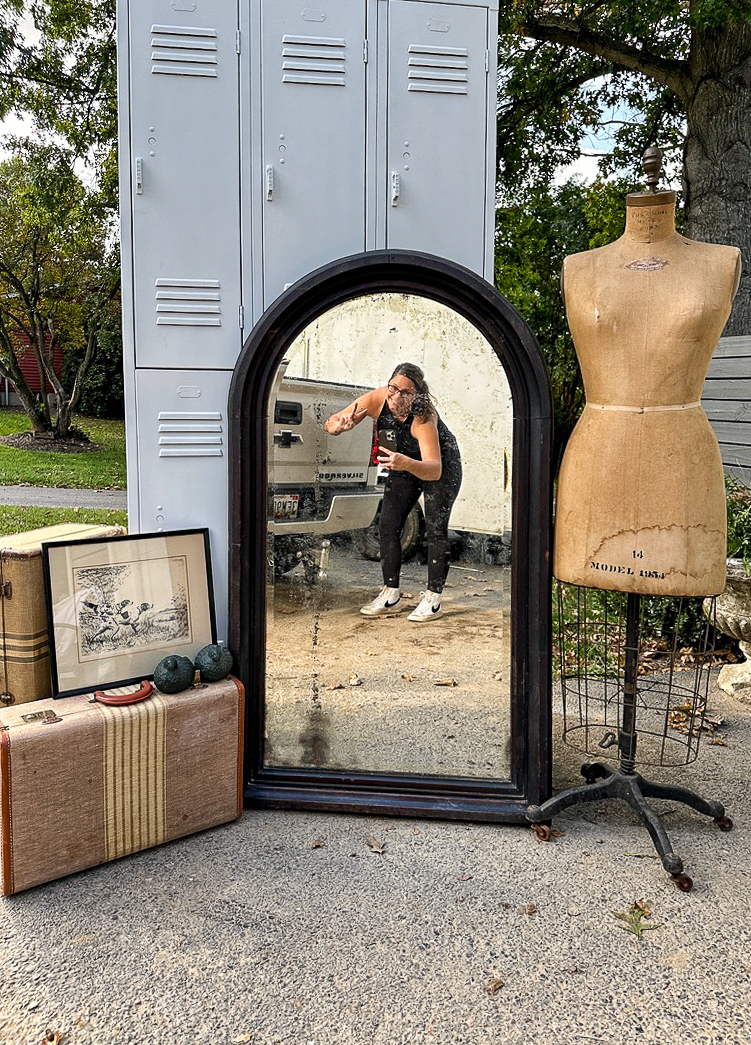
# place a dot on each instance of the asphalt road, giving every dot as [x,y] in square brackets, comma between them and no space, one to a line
[54,497]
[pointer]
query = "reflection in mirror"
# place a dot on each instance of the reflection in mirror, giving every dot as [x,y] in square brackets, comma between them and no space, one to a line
[384,693]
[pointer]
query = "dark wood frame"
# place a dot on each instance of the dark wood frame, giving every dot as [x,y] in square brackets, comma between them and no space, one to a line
[496,319]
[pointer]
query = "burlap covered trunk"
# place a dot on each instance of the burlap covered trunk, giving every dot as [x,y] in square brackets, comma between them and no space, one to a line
[24,636]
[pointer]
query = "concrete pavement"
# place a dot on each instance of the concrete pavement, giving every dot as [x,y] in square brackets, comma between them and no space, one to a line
[287,928]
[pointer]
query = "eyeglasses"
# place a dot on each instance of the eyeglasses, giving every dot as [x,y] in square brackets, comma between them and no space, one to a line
[401,392]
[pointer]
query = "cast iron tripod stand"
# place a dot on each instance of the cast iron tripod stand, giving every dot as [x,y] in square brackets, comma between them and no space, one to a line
[625,783]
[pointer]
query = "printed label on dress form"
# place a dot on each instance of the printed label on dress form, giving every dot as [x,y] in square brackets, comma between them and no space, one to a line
[630,570]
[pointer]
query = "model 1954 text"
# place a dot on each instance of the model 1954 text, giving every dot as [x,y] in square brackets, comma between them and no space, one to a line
[627,571]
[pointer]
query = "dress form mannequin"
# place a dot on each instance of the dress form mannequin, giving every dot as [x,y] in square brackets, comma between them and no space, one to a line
[641,496]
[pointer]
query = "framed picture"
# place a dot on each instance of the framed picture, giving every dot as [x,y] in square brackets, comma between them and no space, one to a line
[117,605]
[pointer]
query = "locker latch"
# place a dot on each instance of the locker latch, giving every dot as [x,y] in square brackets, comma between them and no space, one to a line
[269,182]
[139,176]
[395,187]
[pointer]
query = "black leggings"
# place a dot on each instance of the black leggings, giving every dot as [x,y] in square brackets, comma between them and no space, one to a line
[400,496]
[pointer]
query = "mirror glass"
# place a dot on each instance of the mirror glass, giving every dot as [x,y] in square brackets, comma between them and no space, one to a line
[385,694]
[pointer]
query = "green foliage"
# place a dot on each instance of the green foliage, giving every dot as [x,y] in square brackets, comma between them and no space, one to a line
[590,623]
[102,393]
[532,239]
[66,81]
[58,274]
[739,521]
[569,69]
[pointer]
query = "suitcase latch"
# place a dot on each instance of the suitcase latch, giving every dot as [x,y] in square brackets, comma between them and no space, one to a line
[6,590]
[42,716]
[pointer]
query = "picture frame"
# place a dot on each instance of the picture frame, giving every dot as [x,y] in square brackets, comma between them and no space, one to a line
[116,606]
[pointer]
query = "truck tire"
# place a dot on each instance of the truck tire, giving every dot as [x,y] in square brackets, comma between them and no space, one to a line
[288,552]
[367,543]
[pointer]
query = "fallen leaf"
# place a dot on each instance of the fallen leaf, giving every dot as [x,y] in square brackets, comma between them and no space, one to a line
[493,985]
[317,843]
[241,1039]
[336,685]
[635,919]
[354,679]
[374,844]
[446,682]
[464,877]
[52,1037]
[527,908]
[408,677]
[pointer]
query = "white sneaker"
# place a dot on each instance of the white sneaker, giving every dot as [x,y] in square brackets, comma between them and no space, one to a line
[429,607]
[387,601]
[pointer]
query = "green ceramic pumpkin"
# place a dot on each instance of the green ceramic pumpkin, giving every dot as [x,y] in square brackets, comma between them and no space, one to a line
[214,662]
[174,674]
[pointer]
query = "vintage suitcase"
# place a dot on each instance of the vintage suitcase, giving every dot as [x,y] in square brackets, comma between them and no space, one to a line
[82,783]
[24,641]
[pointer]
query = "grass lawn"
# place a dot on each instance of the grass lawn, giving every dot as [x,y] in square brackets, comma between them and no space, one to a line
[103,469]
[17,519]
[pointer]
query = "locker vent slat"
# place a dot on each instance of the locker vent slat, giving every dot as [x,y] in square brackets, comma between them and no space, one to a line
[438,70]
[178,50]
[188,303]
[317,60]
[190,434]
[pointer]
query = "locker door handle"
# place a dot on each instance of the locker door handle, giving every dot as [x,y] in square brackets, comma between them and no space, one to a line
[269,182]
[139,176]
[395,188]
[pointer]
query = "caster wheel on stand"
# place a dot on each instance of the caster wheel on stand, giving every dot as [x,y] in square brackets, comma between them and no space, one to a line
[724,823]
[542,831]
[684,882]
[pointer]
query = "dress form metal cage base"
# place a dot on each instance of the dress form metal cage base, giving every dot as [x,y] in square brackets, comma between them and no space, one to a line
[610,675]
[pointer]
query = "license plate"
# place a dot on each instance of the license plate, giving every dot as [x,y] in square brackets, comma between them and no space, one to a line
[285,506]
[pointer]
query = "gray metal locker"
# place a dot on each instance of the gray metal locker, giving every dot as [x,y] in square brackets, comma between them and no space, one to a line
[182,459]
[185,184]
[438,68]
[313,136]
[259,140]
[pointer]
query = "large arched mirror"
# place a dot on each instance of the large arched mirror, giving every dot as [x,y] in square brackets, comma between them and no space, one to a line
[444,716]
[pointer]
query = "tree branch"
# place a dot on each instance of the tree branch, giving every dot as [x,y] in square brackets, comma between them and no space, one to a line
[672,73]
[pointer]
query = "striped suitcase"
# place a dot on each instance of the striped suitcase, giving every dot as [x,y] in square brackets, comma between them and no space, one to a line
[82,783]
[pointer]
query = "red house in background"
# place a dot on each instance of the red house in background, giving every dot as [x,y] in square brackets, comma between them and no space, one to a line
[30,371]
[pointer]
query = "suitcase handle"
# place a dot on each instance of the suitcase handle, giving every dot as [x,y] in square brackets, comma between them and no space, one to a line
[119,699]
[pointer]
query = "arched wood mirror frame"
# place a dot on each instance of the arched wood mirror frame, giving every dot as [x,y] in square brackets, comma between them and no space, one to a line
[405,272]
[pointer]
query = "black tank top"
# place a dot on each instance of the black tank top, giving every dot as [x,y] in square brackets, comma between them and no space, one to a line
[407,444]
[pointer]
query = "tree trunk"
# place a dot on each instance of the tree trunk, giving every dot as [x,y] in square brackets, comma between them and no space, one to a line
[717,155]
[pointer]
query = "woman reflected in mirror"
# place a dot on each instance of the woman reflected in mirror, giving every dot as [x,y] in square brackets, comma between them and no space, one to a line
[421,457]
